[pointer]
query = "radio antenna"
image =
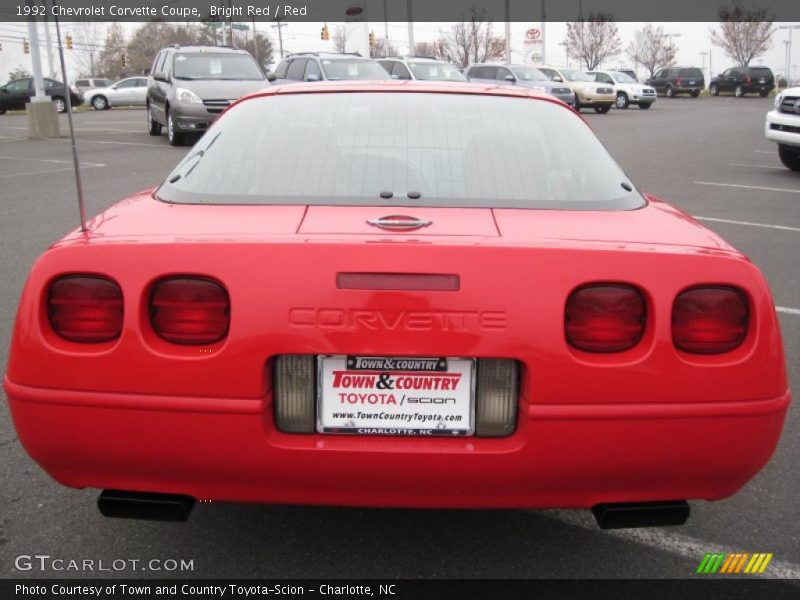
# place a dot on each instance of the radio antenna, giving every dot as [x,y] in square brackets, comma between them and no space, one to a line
[75,162]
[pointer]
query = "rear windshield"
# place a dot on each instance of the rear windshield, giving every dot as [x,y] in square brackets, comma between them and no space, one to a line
[760,71]
[338,69]
[690,73]
[216,66]
[425,149]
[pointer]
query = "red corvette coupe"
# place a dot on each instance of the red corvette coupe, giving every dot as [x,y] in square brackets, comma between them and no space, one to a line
[398,294]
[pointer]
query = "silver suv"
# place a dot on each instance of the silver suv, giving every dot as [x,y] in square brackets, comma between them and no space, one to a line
[522,76]
[189,87]
[420,68]
[326,66]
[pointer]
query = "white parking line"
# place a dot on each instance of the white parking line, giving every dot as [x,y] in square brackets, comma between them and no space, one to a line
[85,129]
[748,223]
[788,311]
[122,143]
[748,187]
[764,151]
[757,166]
[50,160]
[670,541]
[42,172]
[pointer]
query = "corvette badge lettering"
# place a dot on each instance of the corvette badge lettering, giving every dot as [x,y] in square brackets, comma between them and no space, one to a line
[376,320]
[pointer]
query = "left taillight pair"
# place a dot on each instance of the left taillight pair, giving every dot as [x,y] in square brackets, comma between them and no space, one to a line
[607,318]
[182,310]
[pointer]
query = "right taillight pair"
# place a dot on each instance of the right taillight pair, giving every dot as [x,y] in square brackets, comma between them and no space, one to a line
[183,310]
[605,318]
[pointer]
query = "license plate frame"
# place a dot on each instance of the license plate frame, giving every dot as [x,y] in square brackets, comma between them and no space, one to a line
[435,412]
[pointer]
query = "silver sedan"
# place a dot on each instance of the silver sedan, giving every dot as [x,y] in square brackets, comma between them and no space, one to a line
[126,92]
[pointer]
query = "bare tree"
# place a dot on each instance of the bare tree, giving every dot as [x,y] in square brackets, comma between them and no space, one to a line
[382,47]
[339,38]
[110,60]
[19,72]
[593,40]
[744,34]
[87,45]
[259,45]
[652,48]
[430,50]
[471,41]
[152,37]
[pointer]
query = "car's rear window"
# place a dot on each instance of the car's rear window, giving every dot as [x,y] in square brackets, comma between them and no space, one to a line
[425,149]
[760,71]
[690,73]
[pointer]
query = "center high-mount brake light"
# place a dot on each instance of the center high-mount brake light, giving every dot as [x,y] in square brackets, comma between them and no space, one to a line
[709,320]
[85,309]
[428,282]
[189,310]
[605,318]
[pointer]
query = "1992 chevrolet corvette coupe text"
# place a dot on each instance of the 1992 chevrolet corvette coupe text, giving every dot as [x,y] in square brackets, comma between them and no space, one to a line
[398,294]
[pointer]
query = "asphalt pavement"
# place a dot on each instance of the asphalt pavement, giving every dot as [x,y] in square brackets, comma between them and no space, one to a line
[706,155]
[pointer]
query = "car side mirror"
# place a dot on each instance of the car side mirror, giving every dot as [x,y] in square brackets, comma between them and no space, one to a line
[312,77]
[271,76]
[510,78]
[557,78]
[160,76]
[395,76]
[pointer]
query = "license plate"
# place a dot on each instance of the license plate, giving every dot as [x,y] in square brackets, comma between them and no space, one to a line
[692,82]
[762,80]
[389,395]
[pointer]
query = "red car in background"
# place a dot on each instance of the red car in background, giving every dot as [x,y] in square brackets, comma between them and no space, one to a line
[398,294]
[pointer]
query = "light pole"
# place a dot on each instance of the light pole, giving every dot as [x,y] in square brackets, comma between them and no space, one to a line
[508,31]
[704,54]
[786,66]
[789,47]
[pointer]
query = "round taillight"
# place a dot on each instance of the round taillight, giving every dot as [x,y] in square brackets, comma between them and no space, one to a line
[709,320]
[86,309]
[189,310]
[605,318]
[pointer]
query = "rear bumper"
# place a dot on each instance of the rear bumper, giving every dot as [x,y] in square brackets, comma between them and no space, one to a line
[560,456]
[687,89]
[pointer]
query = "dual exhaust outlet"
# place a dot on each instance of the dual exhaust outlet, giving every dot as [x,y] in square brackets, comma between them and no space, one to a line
[178,507]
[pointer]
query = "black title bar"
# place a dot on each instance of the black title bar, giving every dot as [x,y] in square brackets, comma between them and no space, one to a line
[395,11]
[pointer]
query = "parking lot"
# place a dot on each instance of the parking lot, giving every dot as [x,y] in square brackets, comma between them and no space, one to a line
[708,156]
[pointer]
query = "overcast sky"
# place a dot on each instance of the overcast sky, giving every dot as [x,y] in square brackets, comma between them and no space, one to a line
[693,39]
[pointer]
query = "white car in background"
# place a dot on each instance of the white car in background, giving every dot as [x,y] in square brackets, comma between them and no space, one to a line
[126,92]
[627,89]
[783,127]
